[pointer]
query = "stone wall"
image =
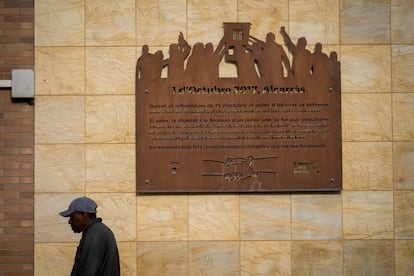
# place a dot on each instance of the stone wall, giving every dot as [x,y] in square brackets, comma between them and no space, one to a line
[85,142]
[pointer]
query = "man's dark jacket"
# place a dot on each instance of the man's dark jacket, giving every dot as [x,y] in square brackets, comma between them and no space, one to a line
[97,252]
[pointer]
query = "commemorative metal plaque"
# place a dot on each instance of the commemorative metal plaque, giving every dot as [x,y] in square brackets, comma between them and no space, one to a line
[275,127]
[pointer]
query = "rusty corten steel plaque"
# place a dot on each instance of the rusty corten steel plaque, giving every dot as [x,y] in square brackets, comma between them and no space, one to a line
[274,127]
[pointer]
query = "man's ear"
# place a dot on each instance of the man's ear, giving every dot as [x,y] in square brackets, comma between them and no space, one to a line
[84,216]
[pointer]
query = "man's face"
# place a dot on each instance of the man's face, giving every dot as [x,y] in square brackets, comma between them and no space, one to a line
[78,221]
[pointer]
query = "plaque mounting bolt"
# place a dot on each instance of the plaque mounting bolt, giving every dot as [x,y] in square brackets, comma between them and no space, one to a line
[174,167]
[147,182]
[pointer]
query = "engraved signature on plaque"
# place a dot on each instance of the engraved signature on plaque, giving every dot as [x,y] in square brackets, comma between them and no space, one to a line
[269,120]
[235,169]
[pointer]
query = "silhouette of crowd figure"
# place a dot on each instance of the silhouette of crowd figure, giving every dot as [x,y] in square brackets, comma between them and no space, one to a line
[260,63]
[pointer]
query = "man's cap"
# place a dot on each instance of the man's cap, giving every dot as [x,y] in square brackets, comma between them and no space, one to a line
[81,204]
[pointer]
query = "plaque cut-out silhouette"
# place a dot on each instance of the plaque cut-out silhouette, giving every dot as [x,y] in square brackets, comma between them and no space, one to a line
[273,126]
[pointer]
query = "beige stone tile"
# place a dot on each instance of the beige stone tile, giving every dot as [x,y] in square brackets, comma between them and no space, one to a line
[128,258]
[213,217]
[265,16]
[59,25]
[368,215]
[110,119]
[317,257]
[60,71]
[60,119]
[162,218]
[316,21]
[365,68]
[403,165]
[402,20]
[367,166]
[403,111]
[316,216]
[214,258]
[59,168]
[54,258]
[265,258]
[366,117]
[49,225]
[365,22]
[160,22]
[109,22]
[205,19]
[404,252]
[110,168]
[162,258]
[369,257]
[265,217]
[110,70]
[402,68]
[403,212]
[63,255]
[118,212]
[228,70]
